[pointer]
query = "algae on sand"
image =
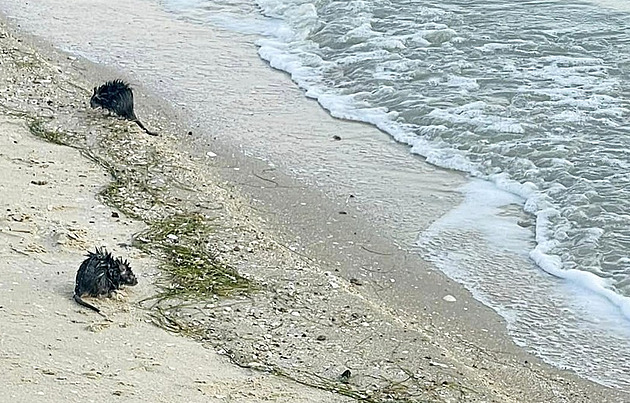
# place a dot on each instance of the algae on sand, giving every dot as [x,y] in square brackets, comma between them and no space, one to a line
[179,239]
[36,127]
[194,272]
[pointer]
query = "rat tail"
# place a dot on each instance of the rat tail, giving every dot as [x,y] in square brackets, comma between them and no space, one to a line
[79,301]
[139,123]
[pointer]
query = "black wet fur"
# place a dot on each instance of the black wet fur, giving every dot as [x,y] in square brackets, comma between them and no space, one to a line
[101,274]
[116,96]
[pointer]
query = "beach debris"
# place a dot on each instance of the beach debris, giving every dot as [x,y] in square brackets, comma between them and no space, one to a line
[39,183]
[449,298]
[18,217]
[336,137]
[97,327]
[72,235]
[355,281]
[19,226]
[437,364]
[117,96]
[321,337]
[345,376]
[101,274]
[115,214]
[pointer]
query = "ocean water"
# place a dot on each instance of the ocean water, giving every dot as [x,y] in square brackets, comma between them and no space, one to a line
[529,98]
[532,96]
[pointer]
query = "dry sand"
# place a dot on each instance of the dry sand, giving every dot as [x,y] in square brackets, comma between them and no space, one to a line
[318,311]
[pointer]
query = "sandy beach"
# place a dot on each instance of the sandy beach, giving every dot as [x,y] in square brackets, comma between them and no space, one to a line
[52,350]
[324,295]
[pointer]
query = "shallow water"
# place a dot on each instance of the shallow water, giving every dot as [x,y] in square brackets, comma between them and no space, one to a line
[524,96]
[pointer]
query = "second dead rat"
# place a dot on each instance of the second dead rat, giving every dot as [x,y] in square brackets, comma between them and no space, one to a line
[101,274]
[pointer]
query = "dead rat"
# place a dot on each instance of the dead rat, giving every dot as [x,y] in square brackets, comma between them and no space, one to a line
[101,274]
[116,96]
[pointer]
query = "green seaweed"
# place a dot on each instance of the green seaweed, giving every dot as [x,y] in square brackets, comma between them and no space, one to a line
[193,271]
[37,128]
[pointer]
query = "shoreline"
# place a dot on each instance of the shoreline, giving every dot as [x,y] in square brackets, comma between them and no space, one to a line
[435,328]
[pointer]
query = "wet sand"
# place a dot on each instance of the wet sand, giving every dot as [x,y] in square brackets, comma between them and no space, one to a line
[339,292]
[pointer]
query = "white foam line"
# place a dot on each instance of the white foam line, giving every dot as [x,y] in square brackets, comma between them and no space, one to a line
[552,264]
